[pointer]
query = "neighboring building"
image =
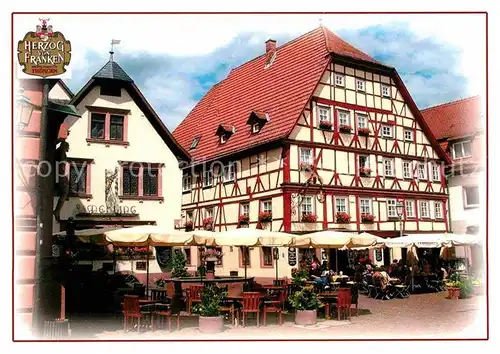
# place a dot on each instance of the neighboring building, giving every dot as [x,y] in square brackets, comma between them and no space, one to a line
[123,163]
[459,129]
[306,130]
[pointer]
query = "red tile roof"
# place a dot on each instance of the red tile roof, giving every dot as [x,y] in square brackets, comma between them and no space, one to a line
[454,119]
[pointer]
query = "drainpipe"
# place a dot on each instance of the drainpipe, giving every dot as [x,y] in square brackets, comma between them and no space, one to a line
[40,194]
[449,203]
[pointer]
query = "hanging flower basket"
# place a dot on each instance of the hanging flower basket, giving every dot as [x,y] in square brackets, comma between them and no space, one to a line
[208,224]
[305,166]
[211,255]
[344,128]
[325,125]
[364,131]
[365,171]
[342,217]
[309,217]
[243,220]
[367,218]
[188,226]
[265,216]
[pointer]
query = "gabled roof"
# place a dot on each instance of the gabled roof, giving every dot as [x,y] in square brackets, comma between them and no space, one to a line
[113,71]
[453,120]
[281,90]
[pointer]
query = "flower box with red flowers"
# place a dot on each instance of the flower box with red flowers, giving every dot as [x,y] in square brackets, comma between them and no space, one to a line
[305,166]
[342,217]
[363,131]
[265,216]
[309,217]
[367,218]
[325,125]
[243,220]
[208,224]
[188,226]
[211,255]
[365,171]
[345,128]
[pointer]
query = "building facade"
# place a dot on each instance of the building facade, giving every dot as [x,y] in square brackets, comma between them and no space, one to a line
[309,136]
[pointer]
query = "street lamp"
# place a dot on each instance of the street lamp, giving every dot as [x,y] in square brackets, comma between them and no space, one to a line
[399,211]
[24,110]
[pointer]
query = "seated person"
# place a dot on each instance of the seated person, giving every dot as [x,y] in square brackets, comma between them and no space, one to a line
[323,281]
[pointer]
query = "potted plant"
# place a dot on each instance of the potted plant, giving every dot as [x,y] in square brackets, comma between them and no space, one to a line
[188,226]
[345,128]
[306,303]
[305,166]
[210,320]
[364,131]
[342,217]
[160,282]
[325,125]
[453,286]
[367,218]
[466,289]
[243,220]
[265,216]
[309,217]
[365,171]
[208,224]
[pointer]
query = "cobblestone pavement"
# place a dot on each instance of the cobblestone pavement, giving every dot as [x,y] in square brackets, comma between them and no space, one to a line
[420,316]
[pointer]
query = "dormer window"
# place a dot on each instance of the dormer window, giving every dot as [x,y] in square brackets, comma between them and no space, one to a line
[195,142]
[257,120]
[224,132]
[223,138]
[255,128]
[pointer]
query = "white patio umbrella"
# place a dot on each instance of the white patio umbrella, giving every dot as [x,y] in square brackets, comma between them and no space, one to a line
[324,239]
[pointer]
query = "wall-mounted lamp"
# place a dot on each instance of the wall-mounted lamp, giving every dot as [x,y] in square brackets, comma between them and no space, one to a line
[24,110]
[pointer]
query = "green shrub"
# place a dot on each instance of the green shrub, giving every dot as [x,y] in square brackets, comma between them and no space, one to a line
[211,300]
[305,299]
[466,289]
[178,265]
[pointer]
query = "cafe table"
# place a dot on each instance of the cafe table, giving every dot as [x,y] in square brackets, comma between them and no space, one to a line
[327,297]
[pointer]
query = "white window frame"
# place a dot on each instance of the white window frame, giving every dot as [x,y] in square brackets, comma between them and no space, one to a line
[428,214]
[195,142]
[189,215]
[339,80]
[461,143]
[347,116]
[364,118]
[208,176]
[410,208]
[186,183]
[466,204]
[392,211]
[438,206]
[392,169]
[255,127]
[370,208]
[408,130]
[310,202]
[209,213]
[223,138]
[391,130]
[388,94]
[229,173]
[360,85]
[310,159]
[328,115]
[244,206]
[266,205]
[424,177]
[410,169]
[346,205]
[367,161]
[436,173]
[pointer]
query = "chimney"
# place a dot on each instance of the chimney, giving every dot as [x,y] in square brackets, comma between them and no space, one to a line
[270,47]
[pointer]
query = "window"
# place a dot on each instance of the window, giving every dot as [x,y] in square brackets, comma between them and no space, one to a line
[306,155]
[362,120]
[244,256]
[77,179]
[230,172]
[407,165]
[341,205]
[186,183]
[387,131]
[195,142]
[267,256]
[409,208]
[391,208]
[471,197]
[421,171]
[462,149]
[189,215]
[339,80]
[438,210]
[111,90]
[266,205]
[424,209]
[365,205]
[360,85]
[363,161]
[209,213]
[150,182]
[223,138]
[324,114]
[344,117]
[116,127]
[130,182]
[244,209]
[187,252]
[385,91]
[389,167]
[306,205]
[408,135]
[208,178]
[255,127]
[97,121]
[436,175]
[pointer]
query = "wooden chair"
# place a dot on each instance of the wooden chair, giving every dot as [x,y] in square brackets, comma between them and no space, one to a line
[279,282]
[276,306]
[165,312]
[344,302]
[131,310]
[251,304]
[355,297]
[194,296]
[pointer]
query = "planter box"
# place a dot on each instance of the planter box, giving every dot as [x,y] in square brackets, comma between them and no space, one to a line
[211,324]
[306,317]
[345,129]
[453,293]
[363,132]
[325,127]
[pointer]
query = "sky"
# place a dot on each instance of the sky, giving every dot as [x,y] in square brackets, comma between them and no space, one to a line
[176,59]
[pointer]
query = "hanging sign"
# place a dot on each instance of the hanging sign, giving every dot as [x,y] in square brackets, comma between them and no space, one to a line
[292,256]
[378,255]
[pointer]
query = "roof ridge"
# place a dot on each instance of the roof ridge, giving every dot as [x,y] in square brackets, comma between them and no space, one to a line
[450,103]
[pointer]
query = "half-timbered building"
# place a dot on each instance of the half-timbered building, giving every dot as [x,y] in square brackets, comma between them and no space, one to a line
[311,135]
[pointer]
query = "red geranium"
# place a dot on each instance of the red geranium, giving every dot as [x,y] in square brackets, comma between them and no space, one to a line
[265,216]
[342,217]
[309,217]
